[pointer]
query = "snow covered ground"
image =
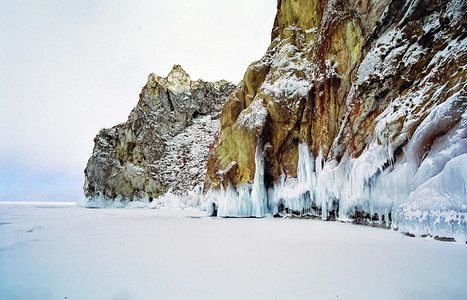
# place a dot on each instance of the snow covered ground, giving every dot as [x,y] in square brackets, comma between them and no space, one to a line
[58,251]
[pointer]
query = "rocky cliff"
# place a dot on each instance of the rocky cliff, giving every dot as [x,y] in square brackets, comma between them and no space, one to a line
[357,110]
[162,147]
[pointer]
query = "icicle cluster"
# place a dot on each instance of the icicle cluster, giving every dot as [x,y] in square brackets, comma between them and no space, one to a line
[413,196]
[246,200]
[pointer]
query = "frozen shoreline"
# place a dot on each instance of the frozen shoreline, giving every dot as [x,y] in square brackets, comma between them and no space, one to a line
[60,251]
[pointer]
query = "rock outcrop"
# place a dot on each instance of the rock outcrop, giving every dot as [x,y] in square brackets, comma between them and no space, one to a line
[357,110]
[162,147]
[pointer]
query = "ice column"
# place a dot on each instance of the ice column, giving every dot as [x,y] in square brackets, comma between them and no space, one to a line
[258,193]
[305,168]
[305,176]
[322,182]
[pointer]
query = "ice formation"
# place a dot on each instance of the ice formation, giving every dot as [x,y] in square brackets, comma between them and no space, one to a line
[365,118]
[405,194]
[294,193]
[246,200]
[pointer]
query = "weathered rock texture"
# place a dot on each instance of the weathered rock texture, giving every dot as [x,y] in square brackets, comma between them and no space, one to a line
[356,81]
[164,144]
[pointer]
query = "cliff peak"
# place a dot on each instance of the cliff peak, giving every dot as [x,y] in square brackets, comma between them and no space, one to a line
[179,79]
[161,147]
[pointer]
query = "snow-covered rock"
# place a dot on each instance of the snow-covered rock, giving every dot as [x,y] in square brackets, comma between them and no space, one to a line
[360,110]
[162,147]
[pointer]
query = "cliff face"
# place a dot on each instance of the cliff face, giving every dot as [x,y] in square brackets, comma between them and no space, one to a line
[163,146]
[357,109]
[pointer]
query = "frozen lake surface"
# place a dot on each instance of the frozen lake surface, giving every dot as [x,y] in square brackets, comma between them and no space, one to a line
[58,251]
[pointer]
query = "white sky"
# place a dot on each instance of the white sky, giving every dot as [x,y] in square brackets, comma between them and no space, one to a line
[69,68]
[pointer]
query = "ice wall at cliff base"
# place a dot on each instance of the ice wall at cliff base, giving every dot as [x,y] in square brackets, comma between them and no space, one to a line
[361,108]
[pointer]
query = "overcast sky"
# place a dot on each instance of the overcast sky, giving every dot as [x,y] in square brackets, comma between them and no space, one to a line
[69,68]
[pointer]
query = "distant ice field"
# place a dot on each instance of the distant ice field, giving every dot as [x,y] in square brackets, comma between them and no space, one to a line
[58,251]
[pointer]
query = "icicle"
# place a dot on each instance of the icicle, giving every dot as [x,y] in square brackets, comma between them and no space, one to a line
[244,200]
[322,181]
[305,176]
[258,193]
[304,168]
[295,194]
